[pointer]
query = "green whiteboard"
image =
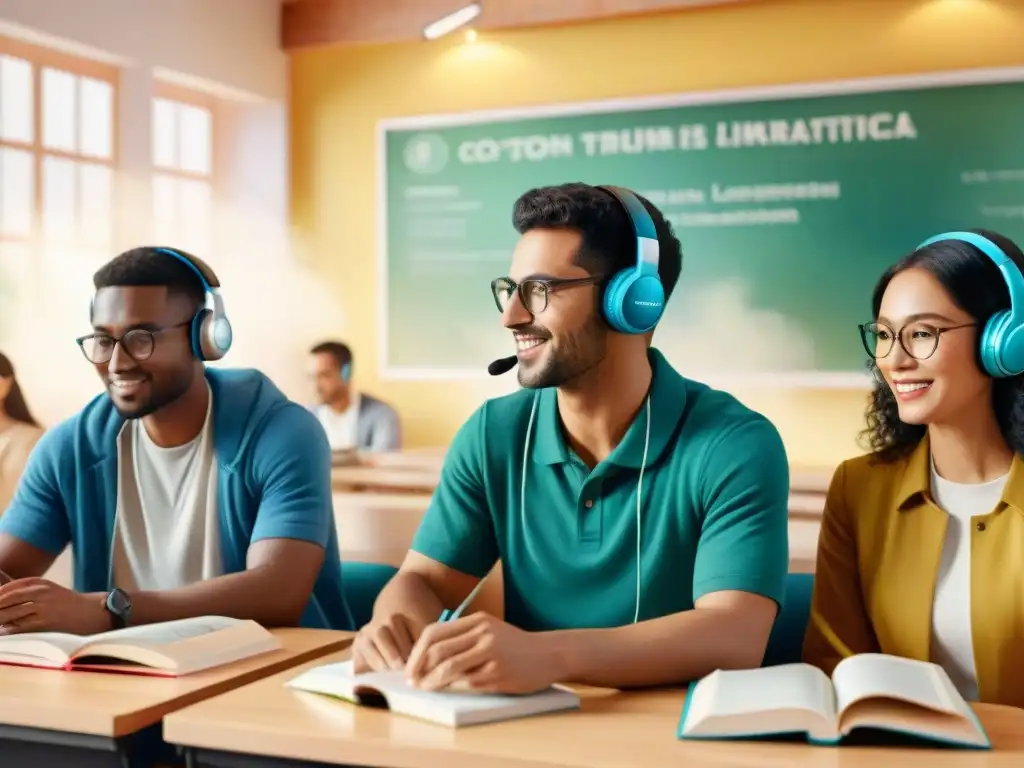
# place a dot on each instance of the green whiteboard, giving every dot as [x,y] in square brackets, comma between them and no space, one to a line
[789,203]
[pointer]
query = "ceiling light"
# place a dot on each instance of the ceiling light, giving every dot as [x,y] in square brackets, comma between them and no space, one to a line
[452,21]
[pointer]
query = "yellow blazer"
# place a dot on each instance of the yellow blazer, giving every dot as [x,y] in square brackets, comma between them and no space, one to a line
[878,560]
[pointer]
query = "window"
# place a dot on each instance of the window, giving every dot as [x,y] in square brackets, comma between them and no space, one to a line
[183,160]
[57,160]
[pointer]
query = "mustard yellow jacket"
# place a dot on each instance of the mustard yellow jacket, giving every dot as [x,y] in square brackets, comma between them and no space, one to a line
[878,559]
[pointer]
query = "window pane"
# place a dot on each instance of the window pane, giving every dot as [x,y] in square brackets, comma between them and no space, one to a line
[96,213]
[15,99]
[165,116]
[16,192]
[196,139]
[97,118]
[58,198]
[59,110]
[15,279]
[165,208]
[196,201]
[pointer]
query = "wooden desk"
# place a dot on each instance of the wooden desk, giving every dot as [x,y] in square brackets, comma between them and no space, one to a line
[411,474]
[90,719]
[385,479]
[613,730]
[810,479]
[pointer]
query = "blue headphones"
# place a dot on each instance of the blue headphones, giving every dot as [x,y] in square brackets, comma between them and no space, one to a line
[1001,345]
[211,330]
[346,371]
[635,298]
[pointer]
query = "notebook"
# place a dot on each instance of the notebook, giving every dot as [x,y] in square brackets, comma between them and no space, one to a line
[389,690]
[867,691]
[168,649]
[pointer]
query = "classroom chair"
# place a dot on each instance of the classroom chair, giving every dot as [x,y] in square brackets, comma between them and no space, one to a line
[363,582]
[787,637]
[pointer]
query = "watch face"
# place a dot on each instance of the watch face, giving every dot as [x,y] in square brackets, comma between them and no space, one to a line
[119,602]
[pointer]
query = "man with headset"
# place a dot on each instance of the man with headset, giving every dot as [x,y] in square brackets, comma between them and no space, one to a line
[351,419]
[640,517]
[183,491]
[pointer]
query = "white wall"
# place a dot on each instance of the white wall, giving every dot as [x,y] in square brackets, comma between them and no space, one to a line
[231,43]
[229,48]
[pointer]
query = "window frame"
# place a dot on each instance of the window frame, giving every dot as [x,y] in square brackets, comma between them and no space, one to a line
[181,95]
[48,58]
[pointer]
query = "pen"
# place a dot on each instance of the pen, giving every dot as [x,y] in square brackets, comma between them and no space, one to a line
[447,615]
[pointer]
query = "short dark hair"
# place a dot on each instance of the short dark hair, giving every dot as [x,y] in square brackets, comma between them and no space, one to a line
[609,243]
[340,352]
[151,266]
[978,288]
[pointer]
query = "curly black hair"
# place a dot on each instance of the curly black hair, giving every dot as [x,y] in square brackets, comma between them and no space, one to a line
[977,287]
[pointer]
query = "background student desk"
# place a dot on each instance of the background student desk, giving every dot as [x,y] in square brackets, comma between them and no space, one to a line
[87,719]
[267,725]
[379,527]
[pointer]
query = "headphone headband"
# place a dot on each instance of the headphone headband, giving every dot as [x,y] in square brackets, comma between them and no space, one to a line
[647,251]
[1001,344]
[197,265]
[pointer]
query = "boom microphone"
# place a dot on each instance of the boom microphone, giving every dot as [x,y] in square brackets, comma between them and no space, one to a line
[502,365]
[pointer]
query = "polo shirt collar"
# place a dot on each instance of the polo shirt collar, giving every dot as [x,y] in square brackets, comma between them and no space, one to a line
[668,402]
[917,479]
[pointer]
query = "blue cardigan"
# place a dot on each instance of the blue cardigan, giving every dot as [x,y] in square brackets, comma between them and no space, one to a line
[273,477]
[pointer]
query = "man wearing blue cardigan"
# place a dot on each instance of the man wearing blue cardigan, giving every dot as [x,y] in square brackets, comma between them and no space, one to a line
[183,491]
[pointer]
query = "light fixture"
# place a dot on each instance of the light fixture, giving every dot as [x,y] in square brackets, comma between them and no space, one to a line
[452,21]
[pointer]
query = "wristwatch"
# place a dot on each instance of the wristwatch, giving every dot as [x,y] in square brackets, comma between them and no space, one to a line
[119,606]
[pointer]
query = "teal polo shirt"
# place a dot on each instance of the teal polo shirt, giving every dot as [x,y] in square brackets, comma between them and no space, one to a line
[714,509]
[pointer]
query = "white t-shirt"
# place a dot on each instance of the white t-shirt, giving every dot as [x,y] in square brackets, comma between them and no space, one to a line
[167,533]
[342,428]
[952,642]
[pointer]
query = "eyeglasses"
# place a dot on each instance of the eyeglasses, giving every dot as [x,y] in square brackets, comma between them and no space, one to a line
[138,343]
[533,293]
[918,340]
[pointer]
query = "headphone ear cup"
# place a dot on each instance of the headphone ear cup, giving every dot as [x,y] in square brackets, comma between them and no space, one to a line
[198,325]
[643,303]
[996,347]
[211,336]
[614,295]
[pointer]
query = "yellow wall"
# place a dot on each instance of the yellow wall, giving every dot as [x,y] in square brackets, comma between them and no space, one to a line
[340,93]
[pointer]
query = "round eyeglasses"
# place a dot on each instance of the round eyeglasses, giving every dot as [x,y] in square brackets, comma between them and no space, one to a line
[533,293]
[138,343]
[919,340]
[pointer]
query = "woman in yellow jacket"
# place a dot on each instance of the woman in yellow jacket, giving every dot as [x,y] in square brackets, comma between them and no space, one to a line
[19,432]
[921,552]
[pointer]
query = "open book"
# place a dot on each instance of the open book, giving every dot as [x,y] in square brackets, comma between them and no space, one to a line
[170,649]
[867,691]
[389,690]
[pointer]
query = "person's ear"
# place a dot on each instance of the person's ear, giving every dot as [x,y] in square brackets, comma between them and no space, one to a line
[6,382]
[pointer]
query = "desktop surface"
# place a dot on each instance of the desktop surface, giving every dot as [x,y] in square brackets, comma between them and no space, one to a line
[613,729]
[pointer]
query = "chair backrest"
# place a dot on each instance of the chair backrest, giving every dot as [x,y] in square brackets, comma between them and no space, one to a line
[786,641]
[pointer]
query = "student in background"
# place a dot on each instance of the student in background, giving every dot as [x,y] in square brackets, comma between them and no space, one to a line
[184,491]
[641,518]
[19,432]
[921,545]
[351,419]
